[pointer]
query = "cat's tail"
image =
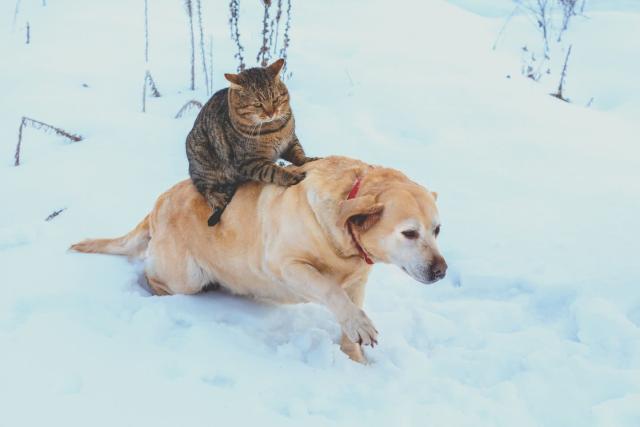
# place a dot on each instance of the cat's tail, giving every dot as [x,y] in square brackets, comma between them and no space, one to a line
[132,244]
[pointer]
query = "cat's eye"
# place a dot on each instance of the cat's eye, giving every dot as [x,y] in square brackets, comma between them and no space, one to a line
[257,104]
[410,234]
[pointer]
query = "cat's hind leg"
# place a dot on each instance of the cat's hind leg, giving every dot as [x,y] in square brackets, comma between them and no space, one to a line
[218,198]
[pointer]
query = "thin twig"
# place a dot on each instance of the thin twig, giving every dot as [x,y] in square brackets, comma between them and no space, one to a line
[190,105]
[19,144]
[568,11]
[202,50]
[234,16]
[539,11]
[15,15]
[559,94]
[189,7]
[151,84]
[144,93]
[263,54]
[286,40]
[54,214]
[36,124]
[504,26]
[278,15]
[211,64]
[146,32]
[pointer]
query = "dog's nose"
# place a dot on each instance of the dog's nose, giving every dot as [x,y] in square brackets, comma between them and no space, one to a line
[438,268]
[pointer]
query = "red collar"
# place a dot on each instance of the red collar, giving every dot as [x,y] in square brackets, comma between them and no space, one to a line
[352,194]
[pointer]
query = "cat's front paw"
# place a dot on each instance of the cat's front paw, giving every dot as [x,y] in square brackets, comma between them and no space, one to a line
[292,178]
[311,159]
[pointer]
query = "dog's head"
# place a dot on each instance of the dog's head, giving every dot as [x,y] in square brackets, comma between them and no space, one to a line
[399,225]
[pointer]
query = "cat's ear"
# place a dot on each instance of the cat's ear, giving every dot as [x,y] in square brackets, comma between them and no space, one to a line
[274,69]
[234,79]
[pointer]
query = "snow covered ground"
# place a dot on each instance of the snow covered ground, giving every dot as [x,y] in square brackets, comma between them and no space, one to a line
[538,322]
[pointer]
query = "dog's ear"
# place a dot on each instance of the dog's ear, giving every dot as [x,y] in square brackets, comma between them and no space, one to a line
[435,195]
[363,212]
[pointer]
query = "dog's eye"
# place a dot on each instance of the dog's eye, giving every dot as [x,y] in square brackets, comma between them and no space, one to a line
[410,234]
[358,219]
[436,231]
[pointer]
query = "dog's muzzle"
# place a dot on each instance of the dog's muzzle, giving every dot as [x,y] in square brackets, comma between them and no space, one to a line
[431,273]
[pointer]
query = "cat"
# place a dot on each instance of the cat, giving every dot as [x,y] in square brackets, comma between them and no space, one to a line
[239,134]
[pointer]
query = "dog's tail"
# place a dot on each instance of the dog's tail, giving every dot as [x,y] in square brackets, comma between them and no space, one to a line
[132,244]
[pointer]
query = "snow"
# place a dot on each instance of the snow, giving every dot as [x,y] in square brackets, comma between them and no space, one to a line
[537,322]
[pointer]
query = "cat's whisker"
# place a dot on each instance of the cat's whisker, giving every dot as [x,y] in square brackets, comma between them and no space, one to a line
[255,130]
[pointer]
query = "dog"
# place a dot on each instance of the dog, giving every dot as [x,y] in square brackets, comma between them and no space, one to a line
[312,242]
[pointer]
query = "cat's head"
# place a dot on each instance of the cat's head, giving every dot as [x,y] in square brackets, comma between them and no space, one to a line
[257,94]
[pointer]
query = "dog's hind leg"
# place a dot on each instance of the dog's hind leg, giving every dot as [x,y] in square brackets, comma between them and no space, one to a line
[158,287]
[169,273]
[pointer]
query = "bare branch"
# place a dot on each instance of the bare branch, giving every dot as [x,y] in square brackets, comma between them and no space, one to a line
[36,124]
[277,19]
[190,105]
[263,54]
[144,94]
[559,93]
[15,15]
[54,214]
[211,63]
[151,84]
[286,40]
[189,8]
[202,50]
[504,26]
[234,16]
[568,11]
[146,32]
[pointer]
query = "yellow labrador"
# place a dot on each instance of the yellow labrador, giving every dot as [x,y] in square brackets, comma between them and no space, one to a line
[313,242]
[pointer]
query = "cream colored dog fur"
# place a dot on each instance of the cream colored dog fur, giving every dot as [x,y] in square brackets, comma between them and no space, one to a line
[292,245]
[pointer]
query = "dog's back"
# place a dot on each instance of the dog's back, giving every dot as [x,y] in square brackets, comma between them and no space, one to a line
[262,224]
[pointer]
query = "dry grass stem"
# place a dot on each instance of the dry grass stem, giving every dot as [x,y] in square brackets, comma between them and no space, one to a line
[190,105]
[36,124]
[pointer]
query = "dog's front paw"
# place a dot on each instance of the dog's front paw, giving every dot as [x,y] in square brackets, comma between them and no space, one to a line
[359,329]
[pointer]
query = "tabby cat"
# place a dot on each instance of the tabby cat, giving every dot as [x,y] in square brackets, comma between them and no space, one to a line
[239,134]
